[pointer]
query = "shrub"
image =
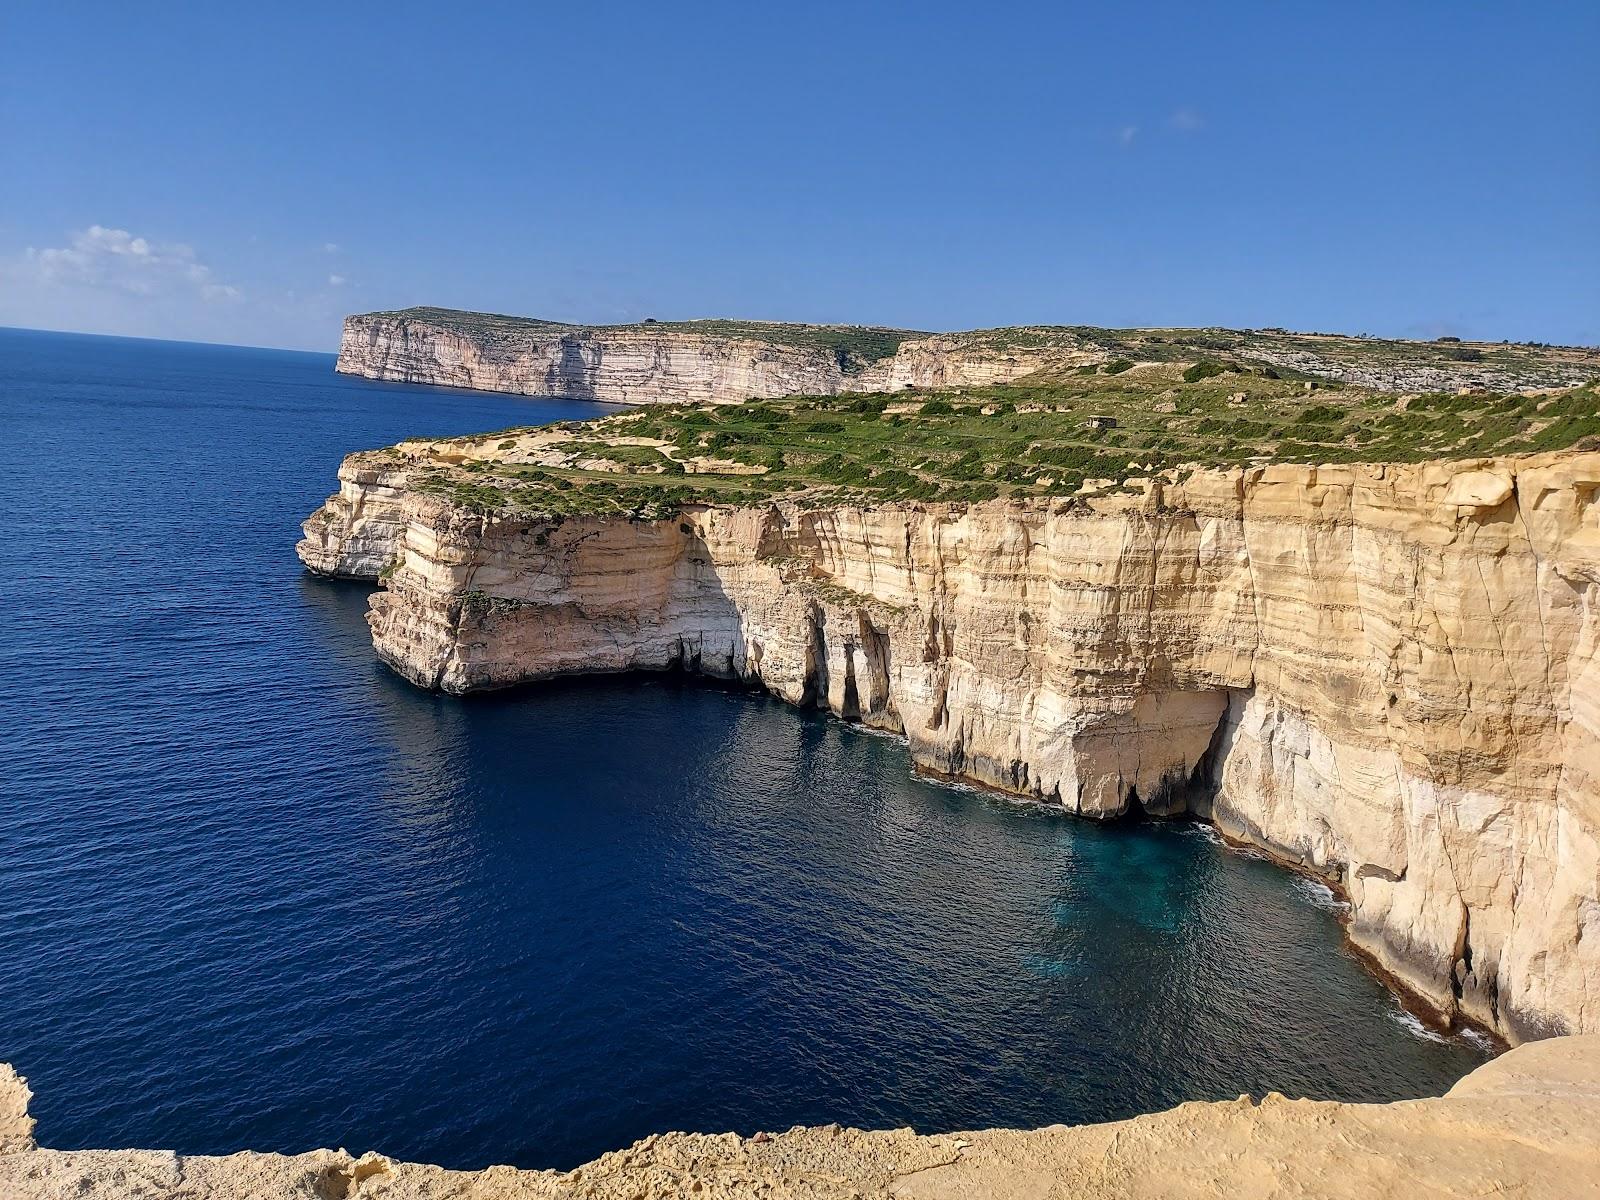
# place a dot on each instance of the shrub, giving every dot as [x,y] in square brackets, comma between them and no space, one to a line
[1321,414]
[1118,366]
[937,408]
[1203,370]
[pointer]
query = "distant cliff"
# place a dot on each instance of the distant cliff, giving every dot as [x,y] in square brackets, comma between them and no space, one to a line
[729,361]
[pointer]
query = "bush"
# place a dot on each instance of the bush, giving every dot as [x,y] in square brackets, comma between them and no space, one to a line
[937,408]
[1118,366]
[1321,414]
[1203,370]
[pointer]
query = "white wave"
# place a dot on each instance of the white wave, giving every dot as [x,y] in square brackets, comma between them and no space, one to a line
[1317,893]
[1415,1026]
[1206,833]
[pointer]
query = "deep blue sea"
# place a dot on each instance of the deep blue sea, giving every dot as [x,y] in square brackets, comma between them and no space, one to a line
[257,892]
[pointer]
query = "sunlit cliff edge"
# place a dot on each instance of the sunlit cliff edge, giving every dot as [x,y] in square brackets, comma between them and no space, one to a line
[1526,1124]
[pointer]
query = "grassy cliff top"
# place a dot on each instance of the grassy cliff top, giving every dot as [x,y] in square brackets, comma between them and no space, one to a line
[1092,428]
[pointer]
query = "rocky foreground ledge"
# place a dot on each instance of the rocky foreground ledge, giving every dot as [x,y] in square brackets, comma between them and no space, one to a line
[1525,1125]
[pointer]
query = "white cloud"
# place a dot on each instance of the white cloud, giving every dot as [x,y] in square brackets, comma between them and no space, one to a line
[330,247]
[1186,120]
[336,281]
[1127,133]
[115,260]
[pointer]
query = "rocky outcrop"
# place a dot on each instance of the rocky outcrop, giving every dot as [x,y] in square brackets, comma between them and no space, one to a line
[1527,1124]
[1387,675]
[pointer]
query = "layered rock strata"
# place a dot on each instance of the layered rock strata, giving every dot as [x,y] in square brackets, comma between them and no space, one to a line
[627,365]
[1387,675]
[1527,1124]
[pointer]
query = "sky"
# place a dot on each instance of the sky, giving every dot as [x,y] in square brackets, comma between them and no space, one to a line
[250,173]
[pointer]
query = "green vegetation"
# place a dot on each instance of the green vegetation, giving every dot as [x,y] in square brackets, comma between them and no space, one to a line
[1203,370]
[1040,436]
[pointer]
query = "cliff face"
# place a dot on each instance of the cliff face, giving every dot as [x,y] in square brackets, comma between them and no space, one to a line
[1527,1124]
[1388,675]
[655,364]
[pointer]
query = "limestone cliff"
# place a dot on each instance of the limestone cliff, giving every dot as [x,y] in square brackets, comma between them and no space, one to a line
[1527,1124]
[1385,674]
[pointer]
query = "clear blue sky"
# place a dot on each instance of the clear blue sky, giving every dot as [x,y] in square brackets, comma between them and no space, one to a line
[250,172]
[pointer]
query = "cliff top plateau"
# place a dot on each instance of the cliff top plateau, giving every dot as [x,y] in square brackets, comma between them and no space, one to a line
[1527,1124]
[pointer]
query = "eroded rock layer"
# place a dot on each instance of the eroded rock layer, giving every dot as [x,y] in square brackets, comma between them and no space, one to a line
[1527,1124]
[1385,674]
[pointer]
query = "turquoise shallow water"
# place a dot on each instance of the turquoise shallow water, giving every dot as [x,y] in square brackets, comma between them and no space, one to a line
[255,891]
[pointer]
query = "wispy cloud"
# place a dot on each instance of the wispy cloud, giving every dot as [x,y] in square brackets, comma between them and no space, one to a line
[336,281]
[116,260]
[1186,120]
[1126,134]
[330,247]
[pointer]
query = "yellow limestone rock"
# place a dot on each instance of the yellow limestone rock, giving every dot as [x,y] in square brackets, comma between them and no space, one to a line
[16,1126]
[1385,674]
